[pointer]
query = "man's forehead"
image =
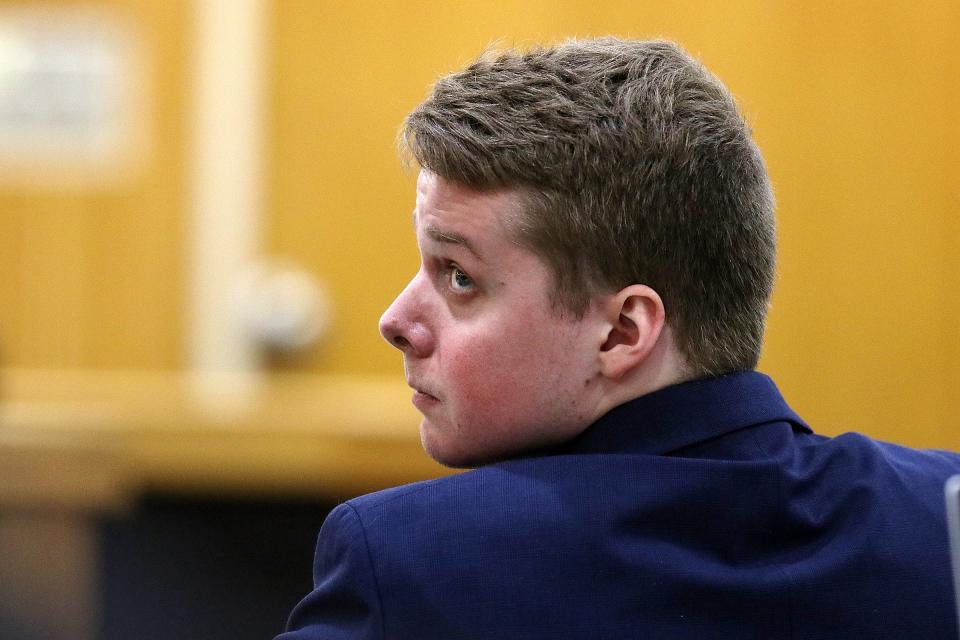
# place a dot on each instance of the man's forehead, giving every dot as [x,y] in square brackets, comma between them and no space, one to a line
[439,234]
[458,203]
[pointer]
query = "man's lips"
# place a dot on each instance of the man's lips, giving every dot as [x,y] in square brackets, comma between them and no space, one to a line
[421,388]
[422,399]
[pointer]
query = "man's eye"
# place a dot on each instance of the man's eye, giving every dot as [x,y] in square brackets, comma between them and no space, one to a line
[459,281]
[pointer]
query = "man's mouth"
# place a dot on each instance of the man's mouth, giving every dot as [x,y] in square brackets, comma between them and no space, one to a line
[419,388]
[422,399]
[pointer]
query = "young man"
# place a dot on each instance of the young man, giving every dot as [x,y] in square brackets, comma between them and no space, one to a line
[597,240]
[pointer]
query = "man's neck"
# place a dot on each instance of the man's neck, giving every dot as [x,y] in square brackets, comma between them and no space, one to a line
[664,366]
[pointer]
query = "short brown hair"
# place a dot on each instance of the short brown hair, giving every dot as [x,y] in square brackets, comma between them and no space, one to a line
[634,166]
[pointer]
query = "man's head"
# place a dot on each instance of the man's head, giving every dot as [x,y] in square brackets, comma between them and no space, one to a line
[634,166]
[621,174]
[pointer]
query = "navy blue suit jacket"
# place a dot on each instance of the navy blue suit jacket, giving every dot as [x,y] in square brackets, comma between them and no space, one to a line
[704,510]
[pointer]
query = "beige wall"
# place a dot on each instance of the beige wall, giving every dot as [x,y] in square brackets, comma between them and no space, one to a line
[854,105]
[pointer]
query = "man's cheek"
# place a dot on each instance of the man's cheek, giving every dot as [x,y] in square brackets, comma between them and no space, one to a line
[481,397]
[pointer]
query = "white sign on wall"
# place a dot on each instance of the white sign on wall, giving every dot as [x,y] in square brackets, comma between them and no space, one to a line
[71,96]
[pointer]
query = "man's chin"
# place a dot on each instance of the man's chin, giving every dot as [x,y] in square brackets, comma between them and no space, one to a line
[432,444]
[456,457]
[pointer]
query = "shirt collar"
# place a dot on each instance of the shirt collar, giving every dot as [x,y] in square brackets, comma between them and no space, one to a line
[686,413]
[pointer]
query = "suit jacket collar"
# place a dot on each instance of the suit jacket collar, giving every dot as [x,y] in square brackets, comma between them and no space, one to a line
[685,414]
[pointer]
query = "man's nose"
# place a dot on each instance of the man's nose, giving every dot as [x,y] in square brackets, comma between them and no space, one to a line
[403,323]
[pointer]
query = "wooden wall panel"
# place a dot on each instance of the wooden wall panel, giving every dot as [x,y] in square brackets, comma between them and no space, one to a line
[863,332]
[92,273]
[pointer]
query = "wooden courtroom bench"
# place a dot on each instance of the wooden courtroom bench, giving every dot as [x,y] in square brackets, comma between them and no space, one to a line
[75,445]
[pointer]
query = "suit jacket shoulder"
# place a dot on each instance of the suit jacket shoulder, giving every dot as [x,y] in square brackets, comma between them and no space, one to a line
[711,512]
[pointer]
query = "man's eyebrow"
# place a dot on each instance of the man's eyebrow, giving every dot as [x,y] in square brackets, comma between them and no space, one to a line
[450,237]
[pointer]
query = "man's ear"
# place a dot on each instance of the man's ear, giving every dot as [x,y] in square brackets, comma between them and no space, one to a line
[635,318]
